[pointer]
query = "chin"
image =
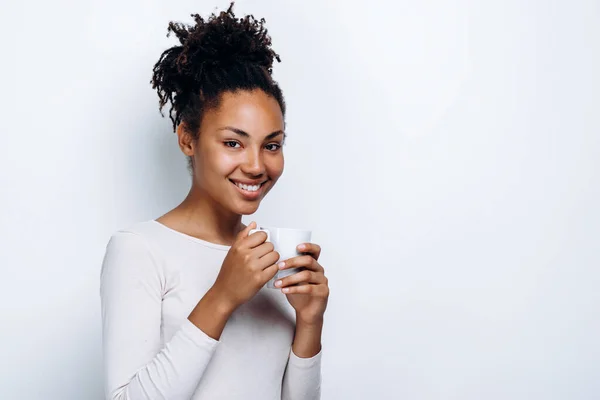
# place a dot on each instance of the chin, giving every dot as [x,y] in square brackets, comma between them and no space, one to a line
[246,209]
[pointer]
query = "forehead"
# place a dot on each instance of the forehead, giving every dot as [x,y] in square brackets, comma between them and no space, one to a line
[252,111]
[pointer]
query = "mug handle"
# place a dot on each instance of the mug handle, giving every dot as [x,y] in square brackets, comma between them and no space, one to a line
[261,230]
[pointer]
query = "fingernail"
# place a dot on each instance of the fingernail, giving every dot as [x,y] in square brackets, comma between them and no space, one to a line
[278,283]
[281,265]
[285,290]
[302,247]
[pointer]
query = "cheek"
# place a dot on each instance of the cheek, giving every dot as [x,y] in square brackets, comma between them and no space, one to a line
[275,167]
[219,163]
[225,162]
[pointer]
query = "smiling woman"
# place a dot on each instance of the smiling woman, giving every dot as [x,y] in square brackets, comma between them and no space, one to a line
[239,141]
[185,310]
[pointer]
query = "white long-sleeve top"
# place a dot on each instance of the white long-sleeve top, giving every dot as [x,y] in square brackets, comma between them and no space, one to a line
[151,279]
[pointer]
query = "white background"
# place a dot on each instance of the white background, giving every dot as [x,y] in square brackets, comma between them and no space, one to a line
[445,154]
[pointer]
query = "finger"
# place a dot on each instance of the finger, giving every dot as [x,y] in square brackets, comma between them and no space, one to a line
[263,249]
[313,290]
[311,248]
[255,239]
[305,276]
[269,272]
[302,261]
[268,259]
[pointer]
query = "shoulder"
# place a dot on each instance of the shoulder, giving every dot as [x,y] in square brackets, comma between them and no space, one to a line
[144,234]
[131,261]
[145,229]
[136,245]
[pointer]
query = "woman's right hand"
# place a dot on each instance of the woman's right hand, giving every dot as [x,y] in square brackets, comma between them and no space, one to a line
[249,264]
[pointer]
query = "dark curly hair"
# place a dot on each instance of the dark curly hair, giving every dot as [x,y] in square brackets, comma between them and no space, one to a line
[217,55]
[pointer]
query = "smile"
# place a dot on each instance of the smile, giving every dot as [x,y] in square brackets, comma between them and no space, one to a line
[250,192]
[250,188]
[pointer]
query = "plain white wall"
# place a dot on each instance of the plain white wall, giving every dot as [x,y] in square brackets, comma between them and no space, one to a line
[444,153]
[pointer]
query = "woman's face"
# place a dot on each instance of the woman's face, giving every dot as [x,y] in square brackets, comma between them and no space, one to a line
[238,156]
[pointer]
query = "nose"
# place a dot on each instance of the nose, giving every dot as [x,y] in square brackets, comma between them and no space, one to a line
[254,164]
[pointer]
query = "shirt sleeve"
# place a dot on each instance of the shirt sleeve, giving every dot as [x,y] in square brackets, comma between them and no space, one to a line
[136,365]
[302,378]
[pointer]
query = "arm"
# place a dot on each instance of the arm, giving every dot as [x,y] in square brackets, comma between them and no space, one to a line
[136,366]
[307,292]
[302,377]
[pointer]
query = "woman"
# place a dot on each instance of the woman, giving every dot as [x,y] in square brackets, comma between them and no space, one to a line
[186,314]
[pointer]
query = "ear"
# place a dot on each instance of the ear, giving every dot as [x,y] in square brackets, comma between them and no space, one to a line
[185,140]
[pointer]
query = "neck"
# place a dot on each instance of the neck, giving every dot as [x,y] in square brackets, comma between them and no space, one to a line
[201,216]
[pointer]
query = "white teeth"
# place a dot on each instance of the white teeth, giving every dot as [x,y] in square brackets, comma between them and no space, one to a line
[250,188]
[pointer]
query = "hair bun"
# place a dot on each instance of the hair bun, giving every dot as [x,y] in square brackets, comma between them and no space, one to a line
[221,53]
[224,40]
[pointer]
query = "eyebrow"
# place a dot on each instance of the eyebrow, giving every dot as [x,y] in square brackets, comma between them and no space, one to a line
[246,135]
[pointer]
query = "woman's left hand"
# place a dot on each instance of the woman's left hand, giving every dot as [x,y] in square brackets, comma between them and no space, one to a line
[309,296]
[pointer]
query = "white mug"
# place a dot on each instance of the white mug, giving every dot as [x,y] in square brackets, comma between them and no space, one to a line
[285,241]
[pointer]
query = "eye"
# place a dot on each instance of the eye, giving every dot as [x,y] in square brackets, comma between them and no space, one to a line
[277,146]
[231,143]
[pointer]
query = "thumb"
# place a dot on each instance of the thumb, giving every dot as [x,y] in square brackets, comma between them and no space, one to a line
[244,232]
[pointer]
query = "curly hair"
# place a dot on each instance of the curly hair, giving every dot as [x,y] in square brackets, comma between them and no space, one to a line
[216,55]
